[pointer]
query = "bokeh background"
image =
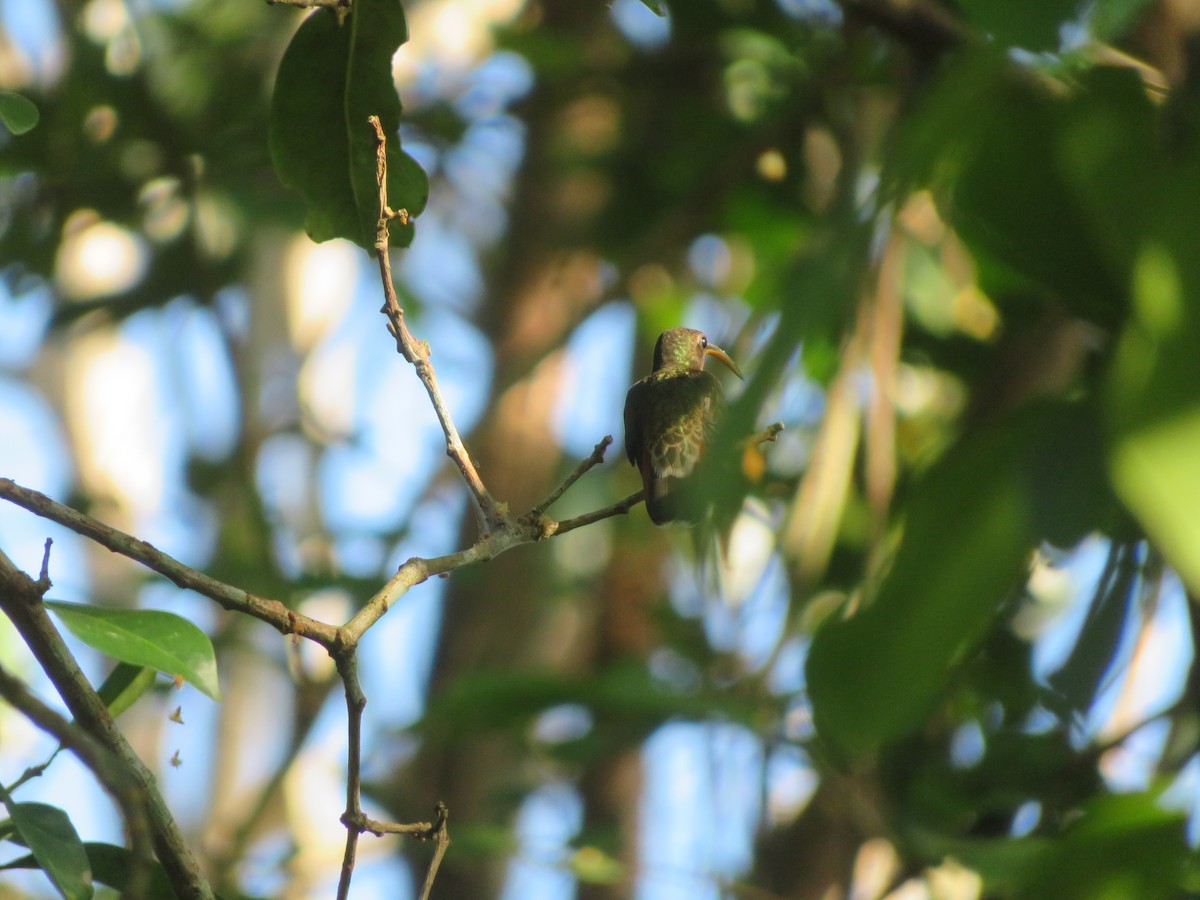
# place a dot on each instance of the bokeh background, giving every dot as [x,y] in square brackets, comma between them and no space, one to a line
[603,717]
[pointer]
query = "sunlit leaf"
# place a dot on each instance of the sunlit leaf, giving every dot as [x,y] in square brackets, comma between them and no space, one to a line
[331,79]
[49,834]
[1154,393]
[19,114]
[145,637]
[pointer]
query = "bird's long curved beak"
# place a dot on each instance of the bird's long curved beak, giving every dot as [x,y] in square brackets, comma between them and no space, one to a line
[715,351]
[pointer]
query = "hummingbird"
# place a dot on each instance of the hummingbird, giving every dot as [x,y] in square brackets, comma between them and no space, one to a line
[670,416]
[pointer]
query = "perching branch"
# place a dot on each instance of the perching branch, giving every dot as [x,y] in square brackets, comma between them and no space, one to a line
[591,462]
[532,526]
[498,532]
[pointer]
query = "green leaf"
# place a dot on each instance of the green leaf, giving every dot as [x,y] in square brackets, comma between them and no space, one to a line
[17,113]
[110,865]
[968,533]
[49,834]
[1125,846]
[124,685]
[331,79]
[145,637]
[487,700]
[1111,18]
[1029,25]
[1154,398]
[658,7]
[1088,161]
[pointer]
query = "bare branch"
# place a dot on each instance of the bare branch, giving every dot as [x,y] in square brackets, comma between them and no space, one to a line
[770,433]
[43,581]
[591,462]
[490,514]
[442,836]
[272,612]
[356,702]
[356,823]
[617,509]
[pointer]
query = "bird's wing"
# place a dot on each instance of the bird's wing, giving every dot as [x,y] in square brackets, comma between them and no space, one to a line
[692,403]
[635,405]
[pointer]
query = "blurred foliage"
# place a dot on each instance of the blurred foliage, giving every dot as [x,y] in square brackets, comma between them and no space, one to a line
[968,229]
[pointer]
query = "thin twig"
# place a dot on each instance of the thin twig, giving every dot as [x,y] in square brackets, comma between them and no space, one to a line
[491,515]
[422,831]
[617,509]
[356,823]
[37,771]
[591,462]
[356,701]
[437,830]
[44,584]
[272,612]
[442,836]
[768,434]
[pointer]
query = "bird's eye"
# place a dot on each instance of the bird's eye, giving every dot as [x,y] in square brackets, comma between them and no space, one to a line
[704,342]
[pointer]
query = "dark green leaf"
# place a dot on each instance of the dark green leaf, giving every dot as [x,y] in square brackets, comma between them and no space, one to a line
[1124,846]
[1079,678]
[145,637]
[966,545]
[1032,26]
[1110,18]
[49,834]
[1011,170]
[488,700]
[17,113]
[1154,385]
[331,79]
[111,865]
[1086,160]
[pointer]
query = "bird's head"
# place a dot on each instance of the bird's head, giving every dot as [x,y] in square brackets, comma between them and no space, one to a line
[687,348]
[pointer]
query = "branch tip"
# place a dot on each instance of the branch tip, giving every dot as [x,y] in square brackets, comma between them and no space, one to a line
[43,582]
